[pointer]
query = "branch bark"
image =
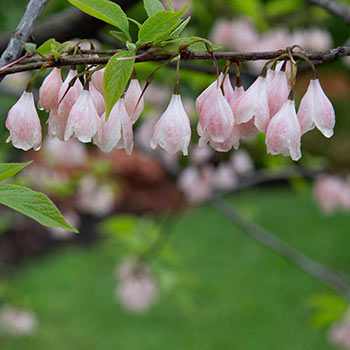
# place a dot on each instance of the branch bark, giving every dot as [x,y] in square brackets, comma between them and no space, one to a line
[22,32]
[334,7]
[337,281]
[37,63]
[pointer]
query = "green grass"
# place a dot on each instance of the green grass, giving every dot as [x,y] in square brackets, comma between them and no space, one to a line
[242,296]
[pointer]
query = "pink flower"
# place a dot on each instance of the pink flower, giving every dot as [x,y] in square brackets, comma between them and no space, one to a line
[254,103]
[215,116]
[173,131]
[57,122]
[339,333]
[316,109]
[83,120]
[278,91]
[50,89]
[98,99]
[17,322]
[224,177]
[24,124]
[127,139]
[283,133]
[97,80]
[109,132]
[241,162]
[131,98]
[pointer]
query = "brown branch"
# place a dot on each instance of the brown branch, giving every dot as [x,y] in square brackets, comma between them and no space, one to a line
[334,7]
[37,63]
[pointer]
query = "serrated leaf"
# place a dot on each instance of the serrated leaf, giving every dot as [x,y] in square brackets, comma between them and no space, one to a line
[47,46]
[153,6]
[115,78]
[8,170]
[106,11]
[119,35]
[159,25]
[34,205]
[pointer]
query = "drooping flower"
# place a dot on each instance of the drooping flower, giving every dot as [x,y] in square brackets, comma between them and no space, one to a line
[50,89]
[283,133]
[57,122]
[173,131]
[241,162]
[83,120]
[216,119]
[316,109]
[97,80]
[17,322]
[98,99]
[254,103]
[127,139]
[24,124]
[131,98]
[278,91]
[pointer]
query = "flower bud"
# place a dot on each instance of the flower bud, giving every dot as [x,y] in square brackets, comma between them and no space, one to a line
[316,109]
[173,131]
[131,98]
[83,120]
[50,89]
[24,124]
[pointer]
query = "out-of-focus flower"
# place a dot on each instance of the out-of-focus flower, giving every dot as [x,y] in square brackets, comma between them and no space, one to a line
[173,131]
[24,124]
[224,177]
[97,80]
[58,117]
[316,109]
[216,119]
[83,120]
[339,333]
[283,133]
[314,39]
[241,162]
[131,98]
[17,81]
[200,155]
[69,153]
[254,104]
[137,289]
[17,322]
[332,193]
[157,95]
[98,100]
[93,198]
[73,219]
[50,89]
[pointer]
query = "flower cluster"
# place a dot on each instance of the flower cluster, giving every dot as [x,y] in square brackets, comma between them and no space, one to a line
[226,115]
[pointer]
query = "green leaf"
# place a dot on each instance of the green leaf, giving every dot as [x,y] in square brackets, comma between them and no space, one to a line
[116,77]
[153,6]
[159,25]
[119,35]
[181,27]
[29,47]
[34,205]
[174,44]
[47,46]
[106,11]
[8,170]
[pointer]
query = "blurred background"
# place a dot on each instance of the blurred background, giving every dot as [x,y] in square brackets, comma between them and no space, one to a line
[156,265]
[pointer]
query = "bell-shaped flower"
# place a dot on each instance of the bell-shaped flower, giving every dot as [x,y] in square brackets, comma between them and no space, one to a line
[109,132]
[254,103]
[127,139]
[173,131]
[131,98]
[215,116]
[24,124]
[83,120]
[50,89]
[283,133]
[57,121]
[228,90]
[98,99]
[231,141]
[97,80]
[278,91]
[316,109]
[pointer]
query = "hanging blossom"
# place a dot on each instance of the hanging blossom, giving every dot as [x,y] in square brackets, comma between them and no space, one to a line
[50,89]
[173,131]
[316,110]
[24,124]
[132,97]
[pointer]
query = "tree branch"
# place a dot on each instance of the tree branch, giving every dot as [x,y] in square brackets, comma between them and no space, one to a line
[336,280]
[334,7]
[22,32]
[37,63]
